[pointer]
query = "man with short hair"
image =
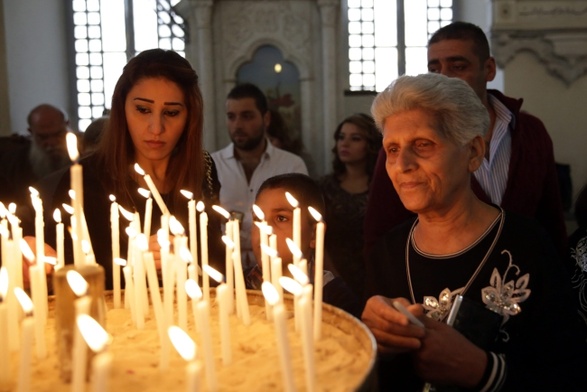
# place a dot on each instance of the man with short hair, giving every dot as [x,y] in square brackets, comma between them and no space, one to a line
[518,172]
[249,159]
[29,160]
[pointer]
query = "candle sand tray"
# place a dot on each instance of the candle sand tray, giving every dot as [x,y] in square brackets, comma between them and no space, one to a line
[344,356]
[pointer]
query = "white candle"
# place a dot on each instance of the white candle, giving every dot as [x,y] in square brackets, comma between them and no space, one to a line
[96,338]
[275,275]
[305,305]
[4,345]
[115,239]
[297,228]
[100,371]
[192,225]
[153,189]
[204,248]
[181,252]
[186,348]
[79,352]
[265,231]
[148,211]
[129,290]
[139,282]
[318,272]
[155,293]
[78,200]
[229,263]
[239,278]
[39,224]
[222,298]
[59,238]
[270,293]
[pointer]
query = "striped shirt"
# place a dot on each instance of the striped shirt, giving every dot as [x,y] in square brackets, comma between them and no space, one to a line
[492,175]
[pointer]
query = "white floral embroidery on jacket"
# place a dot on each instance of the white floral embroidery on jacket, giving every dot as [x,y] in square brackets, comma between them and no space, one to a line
[503,296]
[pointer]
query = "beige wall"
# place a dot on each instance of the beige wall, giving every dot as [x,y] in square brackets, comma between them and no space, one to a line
[562,108]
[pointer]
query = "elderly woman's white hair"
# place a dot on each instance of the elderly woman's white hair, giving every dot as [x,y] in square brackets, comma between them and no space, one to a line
[458,112]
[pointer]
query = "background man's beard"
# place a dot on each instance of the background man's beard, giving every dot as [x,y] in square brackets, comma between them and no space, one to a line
[249,144]
[44,163]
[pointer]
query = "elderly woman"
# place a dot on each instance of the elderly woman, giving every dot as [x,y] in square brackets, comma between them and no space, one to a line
[485,286]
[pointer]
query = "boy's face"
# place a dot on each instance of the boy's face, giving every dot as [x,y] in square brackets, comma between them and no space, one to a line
[279,215]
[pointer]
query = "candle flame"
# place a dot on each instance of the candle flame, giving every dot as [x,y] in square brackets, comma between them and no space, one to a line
[26,250]
[93,333]
[34,192]
[186,255]
[12,208]
[270,293]
[264,228]
[183,343]
[71,140]
[192,289]
[315,214]
[3,282]
[144,192]
[269,250]
[129,216]
[78,284]
[175,226]
[200,206]
[258,212]
[71,194]
[50,260]
[293,248]
[112,198]
[3,210]
[139,169]
[163,238]
[120,261]
[67,208]
[187,194]
[86,247]
[229,243]
[130,231]
[290,285]
[142,242]
[25,301]
[292,200]
[217,276]
[298,274]
[57,215]
[221,211]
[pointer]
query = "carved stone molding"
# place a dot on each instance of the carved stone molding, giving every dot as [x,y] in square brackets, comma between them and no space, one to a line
[555,31]
[286,25]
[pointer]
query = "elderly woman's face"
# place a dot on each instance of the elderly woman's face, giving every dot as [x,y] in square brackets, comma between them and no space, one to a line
[156,116]
[428,171]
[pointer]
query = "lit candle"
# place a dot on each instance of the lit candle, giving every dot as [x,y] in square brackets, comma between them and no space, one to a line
[186,348]
[153,189]
[181,252]
[149,262]
[115,239]
[82,306]
[59,238]
[78,200]
[27,326]
[39,224]
[271,295]
[222,299]
[192,225]
[265,231]
[148,211]
[297,228]
[37,275]
[239,278]
[167,272]
[202,315]
[129,291]
[139,276]
[97,339]
[204,245]
[318,272]
[4,345]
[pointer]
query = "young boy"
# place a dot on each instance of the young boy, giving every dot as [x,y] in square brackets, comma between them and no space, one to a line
[279,215]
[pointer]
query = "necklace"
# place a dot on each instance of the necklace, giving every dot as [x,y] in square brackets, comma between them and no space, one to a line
[500,217]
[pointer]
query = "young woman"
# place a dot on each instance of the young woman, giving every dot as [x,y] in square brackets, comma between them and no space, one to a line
[346,190]
[155,121]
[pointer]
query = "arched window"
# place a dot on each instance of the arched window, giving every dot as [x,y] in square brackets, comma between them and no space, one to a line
[106,34]
[388,38]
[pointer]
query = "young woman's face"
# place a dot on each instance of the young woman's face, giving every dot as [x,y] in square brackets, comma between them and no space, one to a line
[156,116]
[351,145]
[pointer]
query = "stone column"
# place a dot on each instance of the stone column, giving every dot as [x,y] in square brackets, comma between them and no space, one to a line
[198,14]
[328,13]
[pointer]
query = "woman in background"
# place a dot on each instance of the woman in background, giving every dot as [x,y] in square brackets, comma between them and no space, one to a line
[357,143]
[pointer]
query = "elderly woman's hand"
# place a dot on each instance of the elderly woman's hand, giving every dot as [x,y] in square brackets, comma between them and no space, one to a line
[447,357]
[392,330]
